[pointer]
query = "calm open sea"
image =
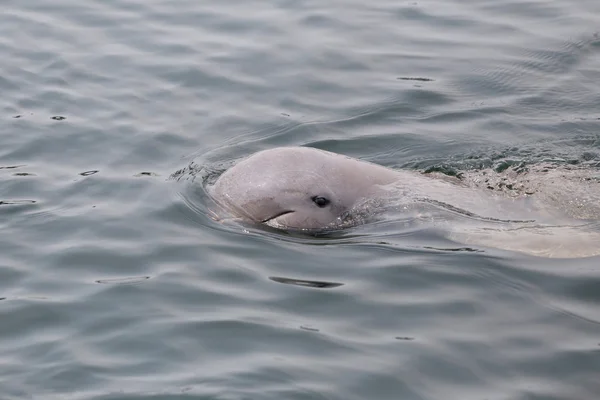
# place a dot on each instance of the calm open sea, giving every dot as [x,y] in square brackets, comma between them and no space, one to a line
[116,285]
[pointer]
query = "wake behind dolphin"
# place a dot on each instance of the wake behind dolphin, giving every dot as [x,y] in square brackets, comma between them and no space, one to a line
[312,190]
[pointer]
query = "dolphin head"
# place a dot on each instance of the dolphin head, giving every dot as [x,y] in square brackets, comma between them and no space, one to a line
[282,198]
[296,188]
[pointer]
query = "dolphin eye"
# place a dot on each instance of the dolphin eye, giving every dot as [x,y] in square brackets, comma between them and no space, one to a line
[320,201]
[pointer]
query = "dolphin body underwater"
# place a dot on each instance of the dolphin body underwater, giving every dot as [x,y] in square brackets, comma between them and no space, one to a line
[311,190]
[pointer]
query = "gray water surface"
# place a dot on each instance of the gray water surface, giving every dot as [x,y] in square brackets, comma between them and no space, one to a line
[115,283]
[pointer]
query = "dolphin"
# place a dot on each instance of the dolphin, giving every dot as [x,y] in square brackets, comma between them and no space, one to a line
[312,190]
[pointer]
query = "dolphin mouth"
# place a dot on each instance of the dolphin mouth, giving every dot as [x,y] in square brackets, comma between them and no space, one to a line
[266,220]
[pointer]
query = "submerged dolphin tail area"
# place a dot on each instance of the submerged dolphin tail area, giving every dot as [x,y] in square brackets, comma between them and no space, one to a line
[544,241]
